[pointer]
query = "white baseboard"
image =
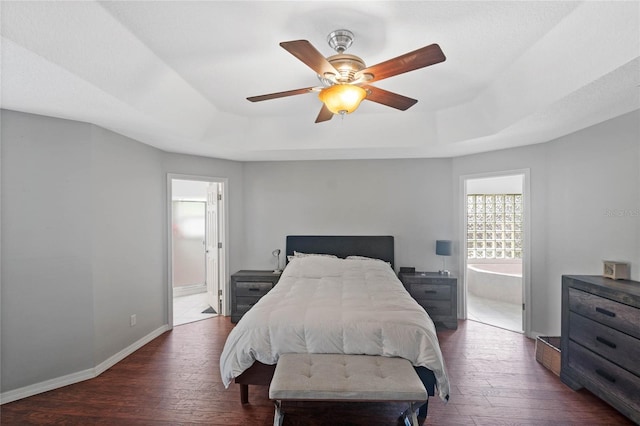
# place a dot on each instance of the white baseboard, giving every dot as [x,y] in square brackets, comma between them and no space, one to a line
[534,335]
[90,373]
[114,359]
[47,385]
[189,290]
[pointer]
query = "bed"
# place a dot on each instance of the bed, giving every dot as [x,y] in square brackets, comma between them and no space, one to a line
[337,294]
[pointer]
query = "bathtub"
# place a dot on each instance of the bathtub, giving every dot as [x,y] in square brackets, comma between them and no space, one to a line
[496,281]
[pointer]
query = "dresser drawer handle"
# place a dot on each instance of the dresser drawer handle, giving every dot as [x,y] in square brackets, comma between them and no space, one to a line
[606,312]
[606,342]
[254,289]
[606,375]
[431,291]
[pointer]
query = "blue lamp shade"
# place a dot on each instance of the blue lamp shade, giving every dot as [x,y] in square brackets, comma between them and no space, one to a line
[443,247]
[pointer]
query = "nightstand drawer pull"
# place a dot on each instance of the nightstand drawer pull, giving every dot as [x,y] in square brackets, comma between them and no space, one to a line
[605,375]
[606,312]
[254,289]
[431,291]
[606,342]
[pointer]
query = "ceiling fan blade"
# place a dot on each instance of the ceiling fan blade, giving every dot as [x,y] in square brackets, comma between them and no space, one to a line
[308,54]
[280,94]
[417,59]
[325,114]
[387,98]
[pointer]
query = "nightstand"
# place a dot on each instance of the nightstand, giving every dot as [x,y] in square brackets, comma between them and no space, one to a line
[436,293]
[247,287]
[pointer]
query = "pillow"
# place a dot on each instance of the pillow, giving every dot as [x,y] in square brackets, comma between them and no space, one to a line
[363,258]
[367,258]
[298,254]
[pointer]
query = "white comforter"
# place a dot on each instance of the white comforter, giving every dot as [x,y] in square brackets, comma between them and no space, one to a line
[329,305]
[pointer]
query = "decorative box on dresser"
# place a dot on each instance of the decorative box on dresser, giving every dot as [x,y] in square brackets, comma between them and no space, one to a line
[436,293]
[600,344]
[247,287]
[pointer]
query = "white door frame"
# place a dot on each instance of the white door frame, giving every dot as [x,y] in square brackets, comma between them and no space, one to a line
[213,245]
[224,237]
[526,243]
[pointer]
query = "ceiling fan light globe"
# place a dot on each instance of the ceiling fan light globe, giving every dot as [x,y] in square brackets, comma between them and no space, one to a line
[342,98]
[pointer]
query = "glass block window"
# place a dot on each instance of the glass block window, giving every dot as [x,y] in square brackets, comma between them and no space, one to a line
[494,226]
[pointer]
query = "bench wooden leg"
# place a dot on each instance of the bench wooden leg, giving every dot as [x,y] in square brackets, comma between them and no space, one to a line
[278,416]
[244,393]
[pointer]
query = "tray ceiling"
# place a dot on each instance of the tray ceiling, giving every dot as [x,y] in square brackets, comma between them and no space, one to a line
[175,75]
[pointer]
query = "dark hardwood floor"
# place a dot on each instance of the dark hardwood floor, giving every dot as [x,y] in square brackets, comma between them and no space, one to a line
[175,380]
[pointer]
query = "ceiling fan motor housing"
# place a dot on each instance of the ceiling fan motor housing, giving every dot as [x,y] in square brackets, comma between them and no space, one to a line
[340,40]
[347,66]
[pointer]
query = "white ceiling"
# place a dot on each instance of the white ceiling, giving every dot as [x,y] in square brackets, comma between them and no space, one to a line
[175,75]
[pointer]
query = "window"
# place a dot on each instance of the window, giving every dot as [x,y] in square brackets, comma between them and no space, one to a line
[494,226]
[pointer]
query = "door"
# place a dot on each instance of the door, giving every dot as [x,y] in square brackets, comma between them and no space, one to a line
[213,246]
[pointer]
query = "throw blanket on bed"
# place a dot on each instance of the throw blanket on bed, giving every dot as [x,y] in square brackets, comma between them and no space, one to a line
[330,305]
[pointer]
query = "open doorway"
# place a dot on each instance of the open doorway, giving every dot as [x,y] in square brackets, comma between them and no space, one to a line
[495,250]
[197,231]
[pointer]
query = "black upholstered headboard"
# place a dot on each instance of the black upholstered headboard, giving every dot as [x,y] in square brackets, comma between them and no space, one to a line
[375,246]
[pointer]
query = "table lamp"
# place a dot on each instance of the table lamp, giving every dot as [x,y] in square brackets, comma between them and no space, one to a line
[276,254]
[443,248]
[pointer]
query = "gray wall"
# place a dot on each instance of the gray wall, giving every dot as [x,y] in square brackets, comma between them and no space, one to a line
[409,199]
[47,295]
[127,198]
[84,243]
[84,225]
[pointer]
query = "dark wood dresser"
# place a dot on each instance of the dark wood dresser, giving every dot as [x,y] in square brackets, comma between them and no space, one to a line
[600,345]
[247,287]
[436,293]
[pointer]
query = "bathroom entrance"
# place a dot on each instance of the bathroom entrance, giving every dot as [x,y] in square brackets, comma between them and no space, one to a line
[197,249]
[494,255]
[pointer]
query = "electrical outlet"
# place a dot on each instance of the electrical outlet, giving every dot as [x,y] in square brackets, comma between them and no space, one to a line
[133,320]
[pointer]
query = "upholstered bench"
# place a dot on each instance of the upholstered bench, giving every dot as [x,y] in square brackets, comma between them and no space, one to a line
[337,377]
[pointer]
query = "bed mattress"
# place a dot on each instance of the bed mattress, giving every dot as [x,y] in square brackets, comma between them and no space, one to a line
[330,305]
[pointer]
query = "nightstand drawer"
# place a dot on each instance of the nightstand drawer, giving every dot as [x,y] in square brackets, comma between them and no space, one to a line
[422,279]
[243,304]
[430,291]
[252,288]
[436,308]
[617,315]
[617,347]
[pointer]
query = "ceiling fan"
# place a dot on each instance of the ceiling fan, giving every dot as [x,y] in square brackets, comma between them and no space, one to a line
[346,79]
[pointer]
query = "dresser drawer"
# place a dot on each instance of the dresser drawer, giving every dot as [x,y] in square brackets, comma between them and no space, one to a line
[617,315]
[613,345]
[430,291]
[252,288]
[606,376]
[436,308]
